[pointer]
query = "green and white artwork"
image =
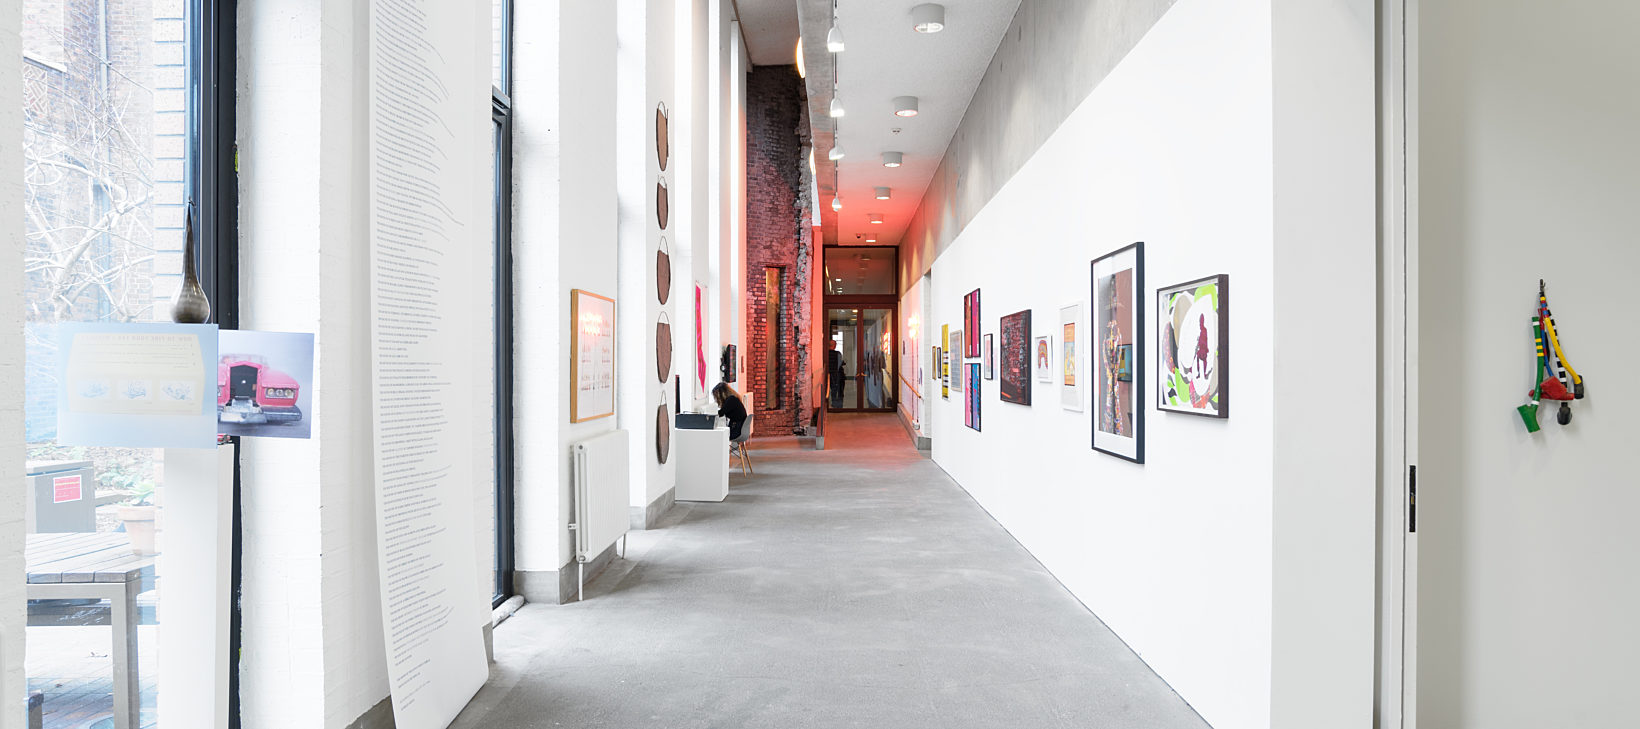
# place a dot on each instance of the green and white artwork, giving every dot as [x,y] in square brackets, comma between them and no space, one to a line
[1193,358]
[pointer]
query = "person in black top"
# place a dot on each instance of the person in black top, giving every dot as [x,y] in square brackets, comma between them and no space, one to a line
[835,370]
[731,407]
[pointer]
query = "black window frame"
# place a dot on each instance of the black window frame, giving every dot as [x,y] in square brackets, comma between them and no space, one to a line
[213,186]
[501,114]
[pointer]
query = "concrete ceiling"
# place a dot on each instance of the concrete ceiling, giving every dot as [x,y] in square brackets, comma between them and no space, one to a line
[885,58]
[770,28]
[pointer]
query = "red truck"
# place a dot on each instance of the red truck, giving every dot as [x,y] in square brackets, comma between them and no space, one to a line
[249,391]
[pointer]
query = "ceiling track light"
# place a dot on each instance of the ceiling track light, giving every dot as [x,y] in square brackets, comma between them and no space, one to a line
[905,106]
[926,18]
[883,193]
[893,159]
[836,202]
[836,106]
[836,151]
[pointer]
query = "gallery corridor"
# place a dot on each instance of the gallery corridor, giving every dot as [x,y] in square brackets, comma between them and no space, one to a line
[856,586]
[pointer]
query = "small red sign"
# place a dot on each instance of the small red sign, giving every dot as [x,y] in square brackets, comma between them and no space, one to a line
[65,488]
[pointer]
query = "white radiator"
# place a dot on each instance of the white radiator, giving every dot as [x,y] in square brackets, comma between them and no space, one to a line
[601,494]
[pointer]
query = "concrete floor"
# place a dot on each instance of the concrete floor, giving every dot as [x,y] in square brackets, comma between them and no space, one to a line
[852,587]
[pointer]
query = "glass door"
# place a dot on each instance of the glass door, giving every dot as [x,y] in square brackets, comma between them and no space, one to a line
[859,359]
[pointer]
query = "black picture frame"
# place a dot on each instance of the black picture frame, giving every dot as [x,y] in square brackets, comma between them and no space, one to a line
[1102,371]
[1222,359]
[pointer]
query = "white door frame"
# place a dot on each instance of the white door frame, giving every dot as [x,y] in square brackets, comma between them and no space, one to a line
[1396,706]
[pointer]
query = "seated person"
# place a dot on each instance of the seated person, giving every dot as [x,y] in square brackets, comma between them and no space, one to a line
[731,407]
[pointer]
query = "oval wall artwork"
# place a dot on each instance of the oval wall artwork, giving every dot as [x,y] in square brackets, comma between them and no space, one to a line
[663,150]
[663,433]
[663,205]
[663,348]
[663,272]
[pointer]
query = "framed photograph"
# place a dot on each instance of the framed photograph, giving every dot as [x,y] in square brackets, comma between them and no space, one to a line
[264,384]
[1070,359]
[1117,279]
[971,412]
[957,343]
[1015,386]
[1193,347]
[1042,358]
[990,363]
[592,359]
[970,323]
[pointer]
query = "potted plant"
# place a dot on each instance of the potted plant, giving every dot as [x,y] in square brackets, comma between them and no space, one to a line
[138,513]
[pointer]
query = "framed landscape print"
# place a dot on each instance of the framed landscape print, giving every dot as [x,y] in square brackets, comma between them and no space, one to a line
[970,324]
[971,412]
[1193,340]
[1015,386]
[1070,359]
[1117,279]
[1042,358]
[957,343]
[990,362]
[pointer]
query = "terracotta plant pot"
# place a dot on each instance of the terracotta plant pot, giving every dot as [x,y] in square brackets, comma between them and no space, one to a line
[139,525]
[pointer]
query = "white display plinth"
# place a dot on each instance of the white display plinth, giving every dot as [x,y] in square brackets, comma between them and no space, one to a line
[703,463]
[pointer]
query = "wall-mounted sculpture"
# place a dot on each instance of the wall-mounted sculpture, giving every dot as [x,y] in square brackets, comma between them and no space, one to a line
[663,204]
[663,149]
[663,272]
[663,348]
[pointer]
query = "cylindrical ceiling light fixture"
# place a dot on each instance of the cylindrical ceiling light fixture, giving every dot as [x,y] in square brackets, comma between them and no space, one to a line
[905,106]
[926,18]
[893,159]
[836,106]
[883,193]
[875,218]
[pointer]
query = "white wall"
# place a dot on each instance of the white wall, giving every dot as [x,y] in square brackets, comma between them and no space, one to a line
[1238,560]
[1527,596]
[1173,149]
[13,615]
[645,73]
[313,650]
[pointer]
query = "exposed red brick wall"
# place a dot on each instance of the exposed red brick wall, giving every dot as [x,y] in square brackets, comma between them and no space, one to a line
[778,234]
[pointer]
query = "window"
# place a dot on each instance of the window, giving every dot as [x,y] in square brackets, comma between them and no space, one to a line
[774,350]
[121,123]
[501,113]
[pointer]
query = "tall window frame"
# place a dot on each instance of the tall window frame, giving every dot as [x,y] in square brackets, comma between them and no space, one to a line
[501,115]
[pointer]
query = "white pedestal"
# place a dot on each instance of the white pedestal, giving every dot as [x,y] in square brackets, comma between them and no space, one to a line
[703,464]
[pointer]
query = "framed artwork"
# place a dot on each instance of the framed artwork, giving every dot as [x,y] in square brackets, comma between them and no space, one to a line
[1016,358]
[1193,355]
[990,354]
[1042,358]
[942,362]
[1118,317]
[970,323]
[971,412]
[729,364]
[1070,360]
[957,343]
[592,364]
[700,340]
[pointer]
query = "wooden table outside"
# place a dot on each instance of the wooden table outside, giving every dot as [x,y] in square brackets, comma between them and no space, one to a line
[96,565]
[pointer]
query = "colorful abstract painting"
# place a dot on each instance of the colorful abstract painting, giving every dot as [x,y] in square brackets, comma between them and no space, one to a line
[957,372]
[1193,361]
[1070,362]
[990,358]
[970,324]
[943,362]
[1042,358]
[1015,386]
[1118,318]
[971,412]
